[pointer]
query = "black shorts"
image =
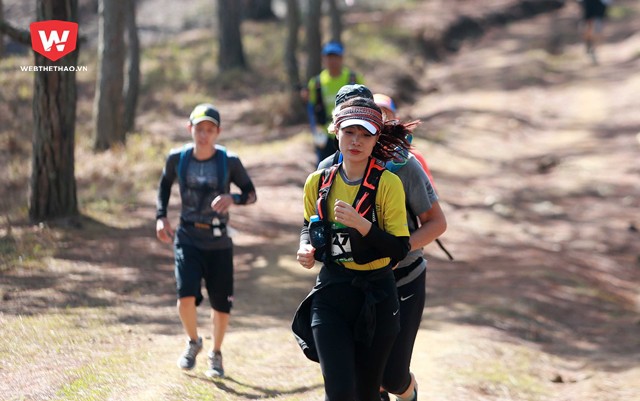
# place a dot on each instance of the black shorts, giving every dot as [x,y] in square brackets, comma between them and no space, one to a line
[594,9]
[192,265]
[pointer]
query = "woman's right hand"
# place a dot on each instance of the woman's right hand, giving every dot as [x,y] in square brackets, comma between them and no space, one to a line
[305,256]
[164,232]
[345,214]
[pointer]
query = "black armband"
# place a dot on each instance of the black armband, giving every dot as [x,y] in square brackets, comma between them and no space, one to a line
[377,244]
[248,192]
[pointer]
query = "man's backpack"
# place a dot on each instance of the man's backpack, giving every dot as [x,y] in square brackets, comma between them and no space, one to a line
[185,157]
[318,108]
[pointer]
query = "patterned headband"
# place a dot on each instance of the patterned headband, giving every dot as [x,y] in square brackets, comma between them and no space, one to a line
[360,113]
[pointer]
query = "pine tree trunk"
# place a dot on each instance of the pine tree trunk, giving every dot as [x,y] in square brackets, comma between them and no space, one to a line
[336,21]
[296,112]
[1,35]
[293,26]
[108,105]
[259,10]
[53,184]
[231,53]
[132,79]
[314,38]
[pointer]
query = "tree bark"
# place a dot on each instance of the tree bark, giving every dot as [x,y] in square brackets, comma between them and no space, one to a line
[231,53]
[132,78]
[108,105]
[336,21]
[258,10]
[1,35]
[293,26]
[296,112]
[22,36]
[314,38]
[53,184]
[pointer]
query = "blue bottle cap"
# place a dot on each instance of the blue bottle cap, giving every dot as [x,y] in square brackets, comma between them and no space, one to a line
[314,218]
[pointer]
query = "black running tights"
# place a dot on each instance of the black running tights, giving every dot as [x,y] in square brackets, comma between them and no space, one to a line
[351,370]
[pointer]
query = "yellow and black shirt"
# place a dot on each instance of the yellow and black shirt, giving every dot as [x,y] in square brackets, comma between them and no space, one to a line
[389,204]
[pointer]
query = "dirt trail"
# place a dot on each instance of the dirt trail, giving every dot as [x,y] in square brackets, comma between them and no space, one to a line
[541,169]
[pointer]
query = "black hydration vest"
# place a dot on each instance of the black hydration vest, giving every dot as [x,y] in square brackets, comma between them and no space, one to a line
[344,242]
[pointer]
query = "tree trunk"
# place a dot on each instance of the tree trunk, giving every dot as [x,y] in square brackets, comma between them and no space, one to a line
[1,35]
[314,38]
[108,103]
[293,26]
[258,10]
[336,21]
[53,184]
[132,79]
[296,112]
[231,54]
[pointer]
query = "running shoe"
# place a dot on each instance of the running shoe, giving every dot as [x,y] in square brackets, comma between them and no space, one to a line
[215,365]
[187,360]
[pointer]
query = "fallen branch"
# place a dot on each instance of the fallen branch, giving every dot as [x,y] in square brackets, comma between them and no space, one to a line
[19,35]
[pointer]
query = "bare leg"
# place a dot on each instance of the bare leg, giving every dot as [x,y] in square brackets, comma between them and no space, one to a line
[220,322]
[188,316]
[589,36]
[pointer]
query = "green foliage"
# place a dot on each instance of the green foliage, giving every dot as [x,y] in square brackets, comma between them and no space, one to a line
[620,12]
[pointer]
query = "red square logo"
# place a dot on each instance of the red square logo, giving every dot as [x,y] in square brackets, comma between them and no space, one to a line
[53,39]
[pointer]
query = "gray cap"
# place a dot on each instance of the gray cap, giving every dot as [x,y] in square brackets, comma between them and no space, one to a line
[205,112]
[350,91]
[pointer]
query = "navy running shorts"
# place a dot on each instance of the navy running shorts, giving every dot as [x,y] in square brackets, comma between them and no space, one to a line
[215,267]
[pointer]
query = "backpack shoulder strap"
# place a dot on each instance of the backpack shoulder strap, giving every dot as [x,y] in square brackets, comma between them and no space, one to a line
[318,107]
[324,186]
[337,157]
[185,157]
[222,166]
[366,196]
[319,99]
[352,77]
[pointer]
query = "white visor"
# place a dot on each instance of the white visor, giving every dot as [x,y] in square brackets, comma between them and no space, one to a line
[363,123]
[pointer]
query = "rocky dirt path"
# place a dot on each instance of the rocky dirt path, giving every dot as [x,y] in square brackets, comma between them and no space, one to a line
[538,156]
